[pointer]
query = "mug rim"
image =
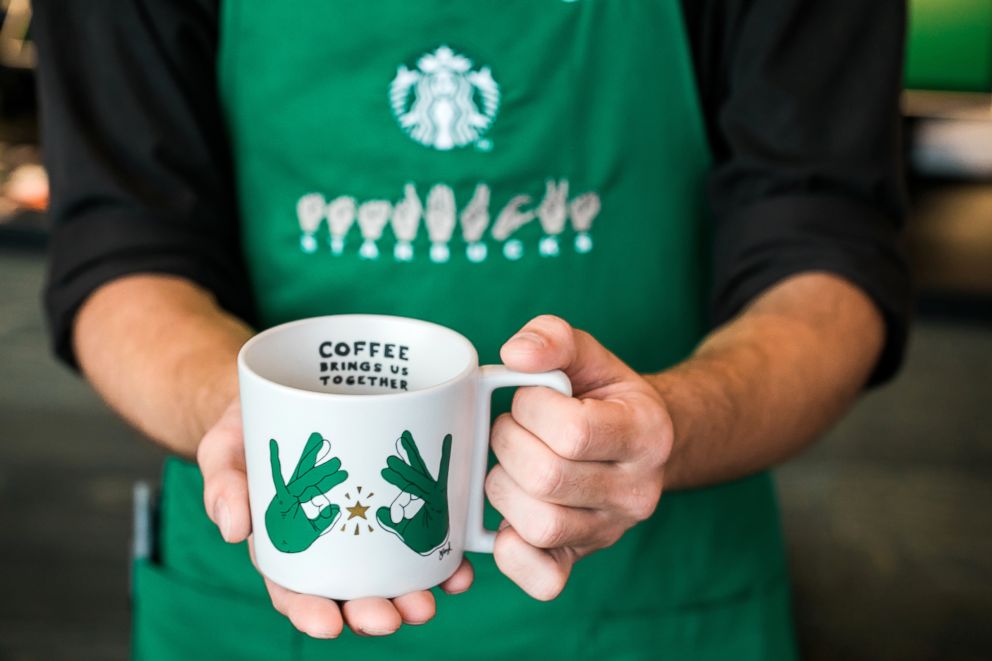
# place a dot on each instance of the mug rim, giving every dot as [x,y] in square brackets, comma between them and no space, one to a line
[471,366]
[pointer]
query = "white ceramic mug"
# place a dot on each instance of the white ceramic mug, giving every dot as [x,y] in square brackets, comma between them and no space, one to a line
[366,442]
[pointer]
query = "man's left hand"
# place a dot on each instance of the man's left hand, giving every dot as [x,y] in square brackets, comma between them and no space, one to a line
[574,473]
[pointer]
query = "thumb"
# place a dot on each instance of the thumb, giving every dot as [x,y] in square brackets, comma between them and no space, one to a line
[221,456]
[550,343]
[384,518]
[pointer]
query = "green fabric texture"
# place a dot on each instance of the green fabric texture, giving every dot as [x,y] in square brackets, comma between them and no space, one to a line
[704,579]
[340,109]
[950,45]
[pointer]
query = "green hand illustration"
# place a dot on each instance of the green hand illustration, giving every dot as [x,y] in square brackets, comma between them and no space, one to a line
[423,525]
[288,525]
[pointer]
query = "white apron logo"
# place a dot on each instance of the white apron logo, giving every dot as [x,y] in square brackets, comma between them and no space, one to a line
[444,103]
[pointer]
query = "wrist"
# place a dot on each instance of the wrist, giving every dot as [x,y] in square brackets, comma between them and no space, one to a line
[210,397]
[212,373]
[700,407]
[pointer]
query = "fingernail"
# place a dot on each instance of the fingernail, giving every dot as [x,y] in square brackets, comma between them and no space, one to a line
[323,635]
[223,515]
[417,623]
[533,339]
[377,632]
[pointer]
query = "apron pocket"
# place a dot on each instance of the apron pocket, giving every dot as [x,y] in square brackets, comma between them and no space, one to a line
[754,627]
[173,618]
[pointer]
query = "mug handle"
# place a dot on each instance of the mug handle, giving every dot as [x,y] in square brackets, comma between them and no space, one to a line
[492,377]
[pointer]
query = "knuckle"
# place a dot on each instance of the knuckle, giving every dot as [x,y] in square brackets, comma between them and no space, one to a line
[498,436]
[655,451]
[641,502]
[295,620]
[494,486]
[656,441]
[643,509]
[279,603]
[551,585]
[559,330]
[608,535]
[521,399]
[548,531]
[557,577]
[547,479]
[576,436]
[553,323]
[578,335]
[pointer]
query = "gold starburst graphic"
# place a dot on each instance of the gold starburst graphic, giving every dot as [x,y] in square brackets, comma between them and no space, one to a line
[357,511]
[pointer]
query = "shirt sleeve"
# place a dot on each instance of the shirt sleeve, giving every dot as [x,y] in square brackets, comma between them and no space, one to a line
[801,99]
[136,150]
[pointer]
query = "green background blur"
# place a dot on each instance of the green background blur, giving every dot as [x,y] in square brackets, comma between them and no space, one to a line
[950,45]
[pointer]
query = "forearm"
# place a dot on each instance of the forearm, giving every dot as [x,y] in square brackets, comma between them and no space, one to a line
[162,353]
[762,387]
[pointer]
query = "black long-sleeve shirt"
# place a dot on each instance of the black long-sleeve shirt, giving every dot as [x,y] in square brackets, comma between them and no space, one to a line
[800,99]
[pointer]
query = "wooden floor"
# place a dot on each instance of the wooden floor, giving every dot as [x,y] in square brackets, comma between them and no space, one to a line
[889,519]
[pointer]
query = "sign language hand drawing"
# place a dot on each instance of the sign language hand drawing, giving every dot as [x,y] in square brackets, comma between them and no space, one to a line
[289,527]
[405,222]
[419,513]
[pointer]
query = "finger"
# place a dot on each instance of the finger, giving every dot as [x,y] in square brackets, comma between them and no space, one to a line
[402,483]
[317,473]
[442,471]
[315,616]
[324,485]
[540,573]
[546,525]
[422,482]
[276,466]
[583,429]
[549,343]
[251,553]
[545,475]
[326,517]
[309,455]
[412,453]
[221,458]
[461,580]
[416,608]
[311,478]
[385,520]
[373,616]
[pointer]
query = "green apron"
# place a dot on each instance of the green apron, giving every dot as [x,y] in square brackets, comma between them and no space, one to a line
[476,163]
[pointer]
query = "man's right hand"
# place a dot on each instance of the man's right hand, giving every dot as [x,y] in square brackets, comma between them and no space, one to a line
[222,460]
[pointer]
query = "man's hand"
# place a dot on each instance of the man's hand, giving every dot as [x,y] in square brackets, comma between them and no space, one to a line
[574,473]
[425,529]
[222,460]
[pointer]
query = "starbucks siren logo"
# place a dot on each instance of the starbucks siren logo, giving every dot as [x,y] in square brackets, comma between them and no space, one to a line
[443,103]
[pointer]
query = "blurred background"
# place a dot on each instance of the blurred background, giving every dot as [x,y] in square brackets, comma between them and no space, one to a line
[889,518]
